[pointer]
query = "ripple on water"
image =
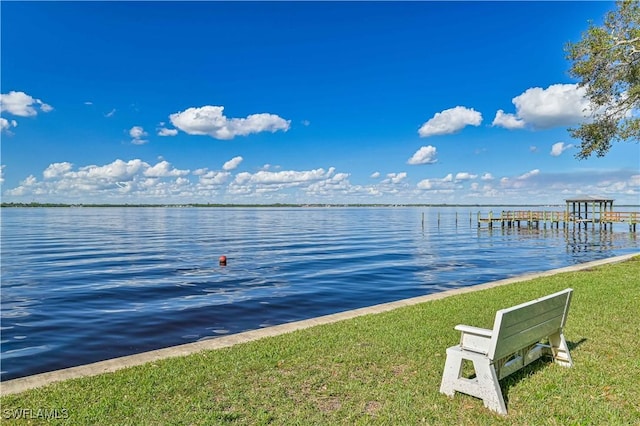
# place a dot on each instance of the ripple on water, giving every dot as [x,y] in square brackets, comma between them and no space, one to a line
[83,285]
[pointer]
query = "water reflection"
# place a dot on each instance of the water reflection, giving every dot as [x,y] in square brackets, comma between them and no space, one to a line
[577,240]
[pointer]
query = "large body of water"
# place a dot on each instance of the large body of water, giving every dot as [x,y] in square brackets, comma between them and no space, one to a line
[81,285]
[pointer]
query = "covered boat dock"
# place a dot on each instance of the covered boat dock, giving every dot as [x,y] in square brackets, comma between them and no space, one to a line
[579,208]
[579,211]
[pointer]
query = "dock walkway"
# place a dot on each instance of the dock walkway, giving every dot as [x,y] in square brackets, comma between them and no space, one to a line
[533,219]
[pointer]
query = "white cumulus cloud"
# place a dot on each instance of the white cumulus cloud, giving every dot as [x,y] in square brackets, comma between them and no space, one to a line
[508,121]
[465,176]
[425,184]
[316,184]
[134,181]
[22,105]
[450,121]
[213,178]
[134,178]
[210,120]
[557,105]
[424,155]
[444,184]
[6,125]
[286,176]
[395,178]
[232,164]
[137,134]
[559,147]
[56,170]
[118,170]
[167,132]
[529,174]
[164,169]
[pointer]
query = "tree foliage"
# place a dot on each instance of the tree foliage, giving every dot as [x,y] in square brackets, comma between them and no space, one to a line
[607,62]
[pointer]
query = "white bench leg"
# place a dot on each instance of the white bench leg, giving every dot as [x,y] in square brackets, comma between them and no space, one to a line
[489,386]
[485,385]
[452,372]
[560,350]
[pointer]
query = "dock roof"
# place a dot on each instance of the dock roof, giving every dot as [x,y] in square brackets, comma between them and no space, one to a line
[589,199]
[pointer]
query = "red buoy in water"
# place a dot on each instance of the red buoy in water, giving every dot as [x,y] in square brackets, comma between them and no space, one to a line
[223,260]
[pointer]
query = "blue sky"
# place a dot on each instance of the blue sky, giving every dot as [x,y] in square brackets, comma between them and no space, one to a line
[298,102]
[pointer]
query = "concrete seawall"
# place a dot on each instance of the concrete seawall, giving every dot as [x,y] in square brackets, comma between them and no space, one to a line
[111,365]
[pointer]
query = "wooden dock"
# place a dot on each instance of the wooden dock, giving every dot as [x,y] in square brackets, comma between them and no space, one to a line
[534,219]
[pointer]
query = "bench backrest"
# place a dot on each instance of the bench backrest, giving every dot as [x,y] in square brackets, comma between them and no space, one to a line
[525,324]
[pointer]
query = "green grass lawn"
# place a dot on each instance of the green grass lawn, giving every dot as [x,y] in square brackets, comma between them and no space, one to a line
[380,369]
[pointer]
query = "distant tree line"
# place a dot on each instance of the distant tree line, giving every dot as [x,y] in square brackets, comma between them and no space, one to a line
[284,205]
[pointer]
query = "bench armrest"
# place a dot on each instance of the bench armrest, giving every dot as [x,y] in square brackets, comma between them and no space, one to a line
[474,339]
[468,329]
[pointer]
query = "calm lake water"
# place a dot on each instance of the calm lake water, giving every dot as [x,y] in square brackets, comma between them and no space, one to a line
[81,285]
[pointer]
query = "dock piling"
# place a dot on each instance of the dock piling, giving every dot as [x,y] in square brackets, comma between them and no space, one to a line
[533,219]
